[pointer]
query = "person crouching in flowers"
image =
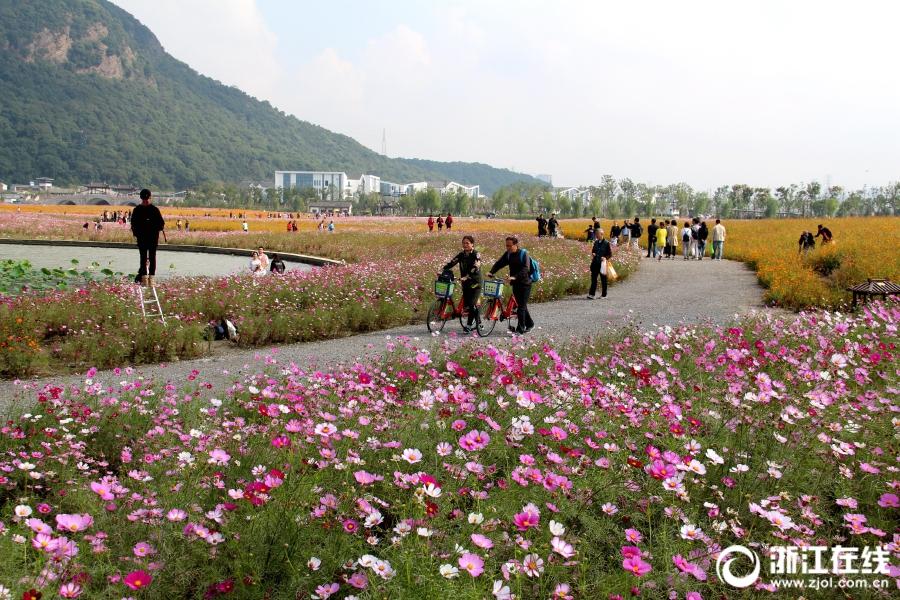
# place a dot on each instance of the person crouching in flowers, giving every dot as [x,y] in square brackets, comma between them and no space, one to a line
[469,261]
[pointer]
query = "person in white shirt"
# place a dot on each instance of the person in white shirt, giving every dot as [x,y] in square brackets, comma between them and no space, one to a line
[245,227]
[718,240]
[263,260]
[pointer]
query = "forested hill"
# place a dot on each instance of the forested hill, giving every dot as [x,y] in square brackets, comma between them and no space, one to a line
[88,93]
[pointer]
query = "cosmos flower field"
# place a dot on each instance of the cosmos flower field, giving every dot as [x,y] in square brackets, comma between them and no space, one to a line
[616,468]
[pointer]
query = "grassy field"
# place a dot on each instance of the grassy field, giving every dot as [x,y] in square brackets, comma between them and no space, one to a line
[864,246]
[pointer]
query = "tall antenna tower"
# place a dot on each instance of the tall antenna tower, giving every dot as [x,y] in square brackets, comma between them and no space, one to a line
[384,141]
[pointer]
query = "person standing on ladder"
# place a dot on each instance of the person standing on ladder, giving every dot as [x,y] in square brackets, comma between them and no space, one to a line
[146,225]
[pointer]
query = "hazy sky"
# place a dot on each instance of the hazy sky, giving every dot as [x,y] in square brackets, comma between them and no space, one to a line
[755,92]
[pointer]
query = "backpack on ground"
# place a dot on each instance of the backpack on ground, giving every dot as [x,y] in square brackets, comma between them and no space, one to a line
[534,269]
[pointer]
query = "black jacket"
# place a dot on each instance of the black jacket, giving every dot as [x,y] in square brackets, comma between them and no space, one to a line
[146,222]
[602,249]
[277,266]
[519,264]
[703,232]
[468,267]
[651,232]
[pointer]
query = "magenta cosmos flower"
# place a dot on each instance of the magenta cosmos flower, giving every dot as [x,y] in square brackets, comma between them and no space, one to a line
[528,518]
[889,501]
[137,580]
[636,566]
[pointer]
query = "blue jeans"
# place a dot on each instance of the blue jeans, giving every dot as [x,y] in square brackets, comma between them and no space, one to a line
[717,249]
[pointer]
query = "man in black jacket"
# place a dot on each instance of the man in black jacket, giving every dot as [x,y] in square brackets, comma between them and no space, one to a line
[651,239]
[602,251]
[542,225]
[146,224]
[519,264]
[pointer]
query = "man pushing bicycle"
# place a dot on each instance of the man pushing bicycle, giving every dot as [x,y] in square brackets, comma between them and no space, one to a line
[520,277]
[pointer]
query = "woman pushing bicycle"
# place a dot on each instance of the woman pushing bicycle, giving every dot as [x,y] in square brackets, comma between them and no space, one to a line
[469,261]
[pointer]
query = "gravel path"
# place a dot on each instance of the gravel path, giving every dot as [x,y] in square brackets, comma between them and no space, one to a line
[659,293]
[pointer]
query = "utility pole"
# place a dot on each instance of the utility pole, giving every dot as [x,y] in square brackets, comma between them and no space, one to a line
[384,142]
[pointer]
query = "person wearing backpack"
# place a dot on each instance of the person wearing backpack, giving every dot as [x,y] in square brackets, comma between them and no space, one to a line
[686,239]
[521,276]
[637,230]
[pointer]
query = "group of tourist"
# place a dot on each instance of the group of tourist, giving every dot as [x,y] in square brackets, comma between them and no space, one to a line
[261,265]
[548,227]
[186,225]
[664,237]
[516,259]
[440,222]
[808,240]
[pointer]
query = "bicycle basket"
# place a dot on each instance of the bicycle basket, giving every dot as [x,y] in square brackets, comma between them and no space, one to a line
[443,289]
[492,289]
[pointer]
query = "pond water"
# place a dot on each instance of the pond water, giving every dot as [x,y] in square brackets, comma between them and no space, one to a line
[168,263]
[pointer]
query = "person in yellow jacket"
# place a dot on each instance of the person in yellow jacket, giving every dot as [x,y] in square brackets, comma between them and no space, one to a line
[661,236]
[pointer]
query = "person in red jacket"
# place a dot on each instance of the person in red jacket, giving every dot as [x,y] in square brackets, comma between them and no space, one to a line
[449,221]
[430,223]
[440,223]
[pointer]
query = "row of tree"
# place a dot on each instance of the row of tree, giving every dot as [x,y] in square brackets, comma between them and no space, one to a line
[622,198]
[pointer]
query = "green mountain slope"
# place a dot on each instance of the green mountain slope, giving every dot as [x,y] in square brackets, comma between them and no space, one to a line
[88,93]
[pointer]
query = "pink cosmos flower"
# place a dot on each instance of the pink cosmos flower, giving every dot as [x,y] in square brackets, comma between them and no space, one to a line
[889,501]
[630,552]
[70,590]
[562,547]
[562,592]
[633,535]
[482,541]
[74,523]
[142,549]
[636,566]
[219,457]
[364,478]
[176,514]
[350,526]
[137,580]
[693,596]
[359,580]
[102,490]
[472,564]
[327,590]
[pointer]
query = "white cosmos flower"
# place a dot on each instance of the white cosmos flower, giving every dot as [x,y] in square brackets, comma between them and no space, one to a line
[476,518]
[714,457]
[313,563]
[557,528]
[449,571]
[412,455]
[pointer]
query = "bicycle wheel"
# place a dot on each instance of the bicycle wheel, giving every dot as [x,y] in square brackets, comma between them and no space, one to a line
[486,324]
[434,320]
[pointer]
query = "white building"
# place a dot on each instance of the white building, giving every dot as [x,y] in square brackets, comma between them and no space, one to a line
[574,194]
[369,184]
[318,180]
[418,186]
[2,187]
[473,191]
[44,183]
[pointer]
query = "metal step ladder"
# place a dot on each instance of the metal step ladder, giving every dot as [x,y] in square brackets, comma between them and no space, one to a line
[151,299]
